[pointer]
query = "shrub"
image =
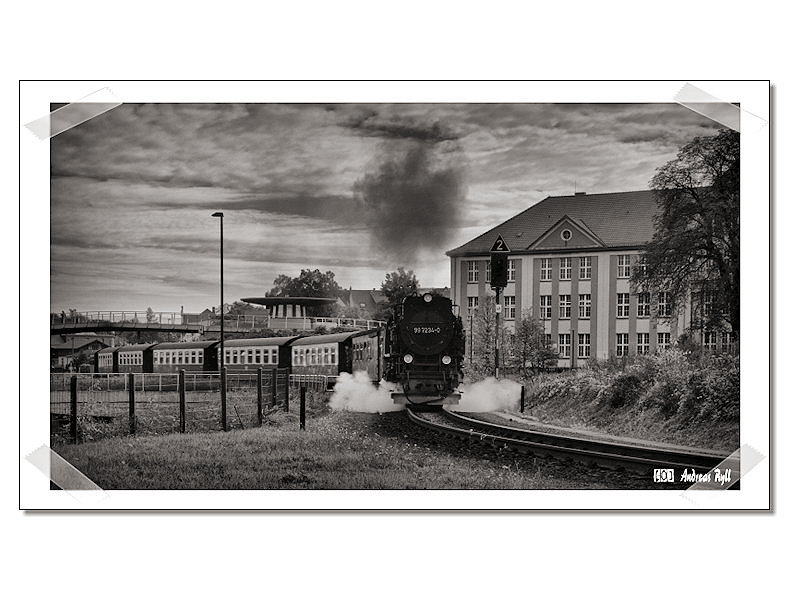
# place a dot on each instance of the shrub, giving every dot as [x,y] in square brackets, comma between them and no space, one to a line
[692,386]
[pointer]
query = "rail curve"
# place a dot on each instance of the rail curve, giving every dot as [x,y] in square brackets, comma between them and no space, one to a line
[641,459]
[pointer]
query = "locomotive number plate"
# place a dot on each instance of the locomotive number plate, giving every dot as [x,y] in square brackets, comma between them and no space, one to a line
[426,330]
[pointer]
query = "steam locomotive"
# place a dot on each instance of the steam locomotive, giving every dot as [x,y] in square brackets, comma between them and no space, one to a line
[424,351]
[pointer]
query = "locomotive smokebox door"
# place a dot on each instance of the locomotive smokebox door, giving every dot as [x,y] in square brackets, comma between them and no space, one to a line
[498,270]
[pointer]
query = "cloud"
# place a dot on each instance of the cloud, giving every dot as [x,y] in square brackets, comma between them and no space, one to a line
[351,188]
[371,124]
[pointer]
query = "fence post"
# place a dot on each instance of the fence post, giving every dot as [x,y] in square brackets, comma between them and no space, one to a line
[73,408]
[223,396]
[182,401]
[287,394]
[132,421]
[274,387]
[523,389]
[260,396]
[302,404]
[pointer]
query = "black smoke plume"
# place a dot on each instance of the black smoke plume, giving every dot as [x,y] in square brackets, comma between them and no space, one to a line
[412,197]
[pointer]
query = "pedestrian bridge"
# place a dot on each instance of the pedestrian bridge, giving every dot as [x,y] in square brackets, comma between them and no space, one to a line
[173,321]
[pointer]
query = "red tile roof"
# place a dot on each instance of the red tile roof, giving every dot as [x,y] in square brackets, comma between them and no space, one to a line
[618,219]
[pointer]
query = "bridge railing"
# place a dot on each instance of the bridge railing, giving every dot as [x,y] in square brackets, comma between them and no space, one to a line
[116,317]
[232,322]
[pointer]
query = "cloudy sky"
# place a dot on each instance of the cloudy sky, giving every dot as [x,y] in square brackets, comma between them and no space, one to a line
[356,189]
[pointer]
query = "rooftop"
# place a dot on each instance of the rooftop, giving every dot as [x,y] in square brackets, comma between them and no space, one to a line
[612,219]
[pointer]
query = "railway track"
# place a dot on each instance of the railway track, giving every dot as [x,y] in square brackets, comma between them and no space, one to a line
[600,453]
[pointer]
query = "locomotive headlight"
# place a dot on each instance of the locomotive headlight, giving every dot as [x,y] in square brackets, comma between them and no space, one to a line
[446,360]
[427,298]
[407,358]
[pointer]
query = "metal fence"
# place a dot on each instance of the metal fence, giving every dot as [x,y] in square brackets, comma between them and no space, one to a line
[98,405]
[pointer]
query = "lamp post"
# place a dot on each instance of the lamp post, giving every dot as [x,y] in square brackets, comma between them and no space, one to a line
[223,394]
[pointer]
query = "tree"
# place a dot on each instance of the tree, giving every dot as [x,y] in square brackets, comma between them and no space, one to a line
[78,360]
[242,308]
[484,339]
[309,283]
[399,284]
[150,316]
[530,351]
[695,247]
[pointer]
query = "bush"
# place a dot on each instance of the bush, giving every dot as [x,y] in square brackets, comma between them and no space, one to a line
[692,386]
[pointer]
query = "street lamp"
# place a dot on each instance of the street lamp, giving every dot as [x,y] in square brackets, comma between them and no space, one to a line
[221,289]
[222,384]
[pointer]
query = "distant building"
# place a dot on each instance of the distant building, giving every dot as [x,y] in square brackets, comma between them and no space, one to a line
[374,300]
[64,347]
[370,300]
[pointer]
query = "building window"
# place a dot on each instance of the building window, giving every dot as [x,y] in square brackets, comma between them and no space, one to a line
[643,343]
[332,355]
[622,344]
[584,346]
[545,307]
[565,269]
[663,304]
[471,303]
[642,264]
[707,304]
[643,305]
[472,272]
[710,341]
[623,305]
[585,305]
[488,271]
[511,271]
[585,267]
[726,341]
[545,269]
[565,345]
[663,340]
[510,307]
[623,266]
[547,341]
[565,307]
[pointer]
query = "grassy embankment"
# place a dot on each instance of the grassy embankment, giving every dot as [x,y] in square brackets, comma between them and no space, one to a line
[339,450]
[686,398]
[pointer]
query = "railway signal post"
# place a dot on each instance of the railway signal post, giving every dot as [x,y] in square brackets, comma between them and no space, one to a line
[499,252]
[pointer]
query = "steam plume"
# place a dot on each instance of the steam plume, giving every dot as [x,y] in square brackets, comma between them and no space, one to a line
[357,394]
[489,395]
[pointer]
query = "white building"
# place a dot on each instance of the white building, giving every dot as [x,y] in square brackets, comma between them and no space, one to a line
[570,265]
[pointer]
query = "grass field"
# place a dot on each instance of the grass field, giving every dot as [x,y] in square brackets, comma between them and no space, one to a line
[339,450]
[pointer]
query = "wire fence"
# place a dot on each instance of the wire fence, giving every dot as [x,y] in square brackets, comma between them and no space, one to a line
[99,405]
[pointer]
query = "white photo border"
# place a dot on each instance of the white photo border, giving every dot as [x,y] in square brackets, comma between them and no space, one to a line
[752,96]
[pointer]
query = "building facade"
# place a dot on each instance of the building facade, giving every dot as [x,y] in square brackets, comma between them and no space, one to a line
[570,265]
